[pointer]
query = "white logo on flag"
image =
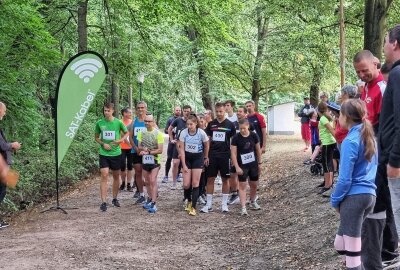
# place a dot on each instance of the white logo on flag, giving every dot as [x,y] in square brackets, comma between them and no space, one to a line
[86,68]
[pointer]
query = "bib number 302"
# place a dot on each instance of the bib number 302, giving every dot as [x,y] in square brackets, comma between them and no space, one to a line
[218,136]
[192,148]
[248,158]
[148,159]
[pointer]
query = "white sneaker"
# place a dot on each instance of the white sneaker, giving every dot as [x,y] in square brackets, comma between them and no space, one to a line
[225,208]
[218,180]
[255,206]
[393,264]
[255,199]
[206,209]
[173,187]
[244,212]
[202,201]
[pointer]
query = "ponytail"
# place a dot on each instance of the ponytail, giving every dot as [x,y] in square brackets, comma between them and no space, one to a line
[368,138]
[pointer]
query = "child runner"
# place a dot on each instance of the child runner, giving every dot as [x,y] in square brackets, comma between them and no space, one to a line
[193,146]
[246,157]
[354,195]
[108,134]
[151,143]
[127,155]
[326,134]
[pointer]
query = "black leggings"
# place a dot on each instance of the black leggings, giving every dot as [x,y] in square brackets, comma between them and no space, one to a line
[327,157]
[203,183]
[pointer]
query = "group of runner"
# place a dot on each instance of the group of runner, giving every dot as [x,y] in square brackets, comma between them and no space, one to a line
[202,148]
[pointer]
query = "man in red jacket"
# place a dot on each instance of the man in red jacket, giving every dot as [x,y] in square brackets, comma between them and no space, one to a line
[366,66]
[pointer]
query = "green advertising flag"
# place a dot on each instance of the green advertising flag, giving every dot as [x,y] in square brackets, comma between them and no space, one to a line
[78,84]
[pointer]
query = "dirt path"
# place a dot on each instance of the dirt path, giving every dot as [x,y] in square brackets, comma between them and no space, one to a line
[295,229]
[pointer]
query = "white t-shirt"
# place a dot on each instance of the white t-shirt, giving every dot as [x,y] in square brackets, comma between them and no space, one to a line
[193,143]
[232,118]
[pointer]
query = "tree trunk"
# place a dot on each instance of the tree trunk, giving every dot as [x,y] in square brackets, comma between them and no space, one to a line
[375,25]
[204,86]
[115,94]
[315,84]
[262,26]
[82,26]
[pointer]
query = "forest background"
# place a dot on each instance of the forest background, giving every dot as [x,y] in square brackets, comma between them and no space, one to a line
[190,52]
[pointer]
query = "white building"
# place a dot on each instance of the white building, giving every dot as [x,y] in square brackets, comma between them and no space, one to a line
[281,119]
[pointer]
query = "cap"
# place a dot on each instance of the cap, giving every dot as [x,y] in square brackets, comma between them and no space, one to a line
[333,106]
[323,94]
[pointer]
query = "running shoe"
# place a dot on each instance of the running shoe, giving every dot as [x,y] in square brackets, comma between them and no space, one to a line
[202,201]
[255,206]
[321,185]
[179,178]
[165,179]
[140,200]
[308,162]
[115,203]
[206,209]
[136,195]
[173,186]
[193,212]
[256,199]
[122,186]
[244,212]
[218,180]
[152,209]
[323,190]
[225,208]
[3,224]
[147,205]
[328,193]
[392,264]
[129,187]
[234,199]
[188,207]
[103,207]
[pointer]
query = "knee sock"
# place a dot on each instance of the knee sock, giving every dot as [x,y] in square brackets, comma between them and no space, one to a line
[186,194]
[168,166]
[195,196]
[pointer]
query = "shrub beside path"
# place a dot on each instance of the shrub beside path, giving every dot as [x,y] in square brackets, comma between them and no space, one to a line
[294,230]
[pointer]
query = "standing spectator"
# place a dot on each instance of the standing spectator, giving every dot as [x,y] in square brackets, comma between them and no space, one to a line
[386,67]
[305,113]
[389,129]
[6,149]
[367,70]
[258,122]
[171,146]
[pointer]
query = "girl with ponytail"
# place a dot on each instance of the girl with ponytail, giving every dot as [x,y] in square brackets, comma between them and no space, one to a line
[354,195]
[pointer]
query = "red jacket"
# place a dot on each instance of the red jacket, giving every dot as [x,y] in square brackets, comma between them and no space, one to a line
[372,95]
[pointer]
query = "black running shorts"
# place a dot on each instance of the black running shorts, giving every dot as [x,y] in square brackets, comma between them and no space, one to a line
[249,172]
[113,163]
[219,164]
[170,150]
[194,161]
[175,154]
[149,167]
[126,160]
[136,159]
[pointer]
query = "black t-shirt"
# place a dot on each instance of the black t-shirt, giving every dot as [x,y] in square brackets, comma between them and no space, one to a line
[220,134]
[246,149]
[179,124]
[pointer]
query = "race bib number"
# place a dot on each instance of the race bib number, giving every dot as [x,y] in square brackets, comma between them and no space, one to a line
[218,136]
[108,135]
[137,130]
[148,159]
[192,148]
[248,158]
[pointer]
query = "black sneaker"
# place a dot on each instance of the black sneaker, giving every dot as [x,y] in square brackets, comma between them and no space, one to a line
[129,187]
[323,190]
[3,224]
[140,200]
[321,185]
[115,202]
[136,195]
[122,187]
[103,207]
[234,199]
